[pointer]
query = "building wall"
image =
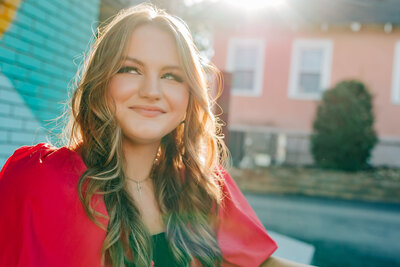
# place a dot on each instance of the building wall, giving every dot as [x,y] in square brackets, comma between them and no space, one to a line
[366,55]
[369,57]
[41,44]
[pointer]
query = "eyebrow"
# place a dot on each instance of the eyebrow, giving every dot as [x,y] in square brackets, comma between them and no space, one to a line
[137,61]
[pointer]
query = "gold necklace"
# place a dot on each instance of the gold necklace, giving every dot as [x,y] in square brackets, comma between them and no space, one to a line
[139,187]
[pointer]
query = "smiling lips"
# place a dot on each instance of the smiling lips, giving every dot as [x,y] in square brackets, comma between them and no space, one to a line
[148,111]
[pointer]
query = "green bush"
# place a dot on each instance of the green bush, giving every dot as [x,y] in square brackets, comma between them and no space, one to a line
[343,128]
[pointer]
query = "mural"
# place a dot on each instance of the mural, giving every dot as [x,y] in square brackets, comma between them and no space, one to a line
[40,45]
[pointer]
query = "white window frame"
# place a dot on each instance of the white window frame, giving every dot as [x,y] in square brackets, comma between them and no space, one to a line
[395,94]
[327,46]
[259,65]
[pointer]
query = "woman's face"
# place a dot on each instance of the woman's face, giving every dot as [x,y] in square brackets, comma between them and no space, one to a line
[149,91]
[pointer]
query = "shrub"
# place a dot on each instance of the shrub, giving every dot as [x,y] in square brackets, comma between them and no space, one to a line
[343,128]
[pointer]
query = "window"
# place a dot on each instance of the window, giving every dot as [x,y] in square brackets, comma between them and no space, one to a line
[396,75]
[246,63]
[310,68]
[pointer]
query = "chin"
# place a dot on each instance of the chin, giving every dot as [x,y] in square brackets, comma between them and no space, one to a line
[146,135]
[143,139]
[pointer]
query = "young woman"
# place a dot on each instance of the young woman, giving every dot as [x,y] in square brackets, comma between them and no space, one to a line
[141,181]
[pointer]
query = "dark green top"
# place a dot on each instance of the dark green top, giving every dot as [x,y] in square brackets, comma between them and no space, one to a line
[162,254]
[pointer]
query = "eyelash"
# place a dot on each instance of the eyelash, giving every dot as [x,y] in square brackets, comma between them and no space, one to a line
[175,77]
[129,69]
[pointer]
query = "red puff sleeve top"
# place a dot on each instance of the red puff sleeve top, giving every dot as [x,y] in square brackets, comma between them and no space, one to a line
[43,222]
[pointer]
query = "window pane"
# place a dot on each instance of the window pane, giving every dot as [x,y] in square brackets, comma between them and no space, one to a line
[311,60]
[309,83]
[243,80]
[245,57]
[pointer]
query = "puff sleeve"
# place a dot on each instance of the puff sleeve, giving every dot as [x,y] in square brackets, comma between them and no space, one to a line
[43,222]
[241,236]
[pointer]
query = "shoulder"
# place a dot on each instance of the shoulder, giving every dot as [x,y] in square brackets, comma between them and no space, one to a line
[241,235]
[40,168]
[46,154]
[229,188]
[231,195]
[46,222]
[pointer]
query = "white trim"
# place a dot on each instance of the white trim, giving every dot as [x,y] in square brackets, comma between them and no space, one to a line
[259,65]
[395,95]
[298,45]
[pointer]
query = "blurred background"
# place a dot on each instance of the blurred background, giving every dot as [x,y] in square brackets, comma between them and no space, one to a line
[311,104]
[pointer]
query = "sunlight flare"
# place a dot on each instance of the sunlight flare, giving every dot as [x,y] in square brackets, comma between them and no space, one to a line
[253,5]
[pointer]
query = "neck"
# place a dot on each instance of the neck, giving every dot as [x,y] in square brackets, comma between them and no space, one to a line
[139,159]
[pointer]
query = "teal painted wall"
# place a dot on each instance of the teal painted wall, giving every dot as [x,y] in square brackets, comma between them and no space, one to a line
[39,55]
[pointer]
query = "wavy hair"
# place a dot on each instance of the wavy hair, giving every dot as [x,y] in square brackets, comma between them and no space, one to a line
[186,176]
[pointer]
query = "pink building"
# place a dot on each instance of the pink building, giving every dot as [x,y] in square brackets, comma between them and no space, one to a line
[282,63]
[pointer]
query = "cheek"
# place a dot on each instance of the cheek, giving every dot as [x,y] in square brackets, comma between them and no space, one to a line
[121,88]
[182,101]
[177,97]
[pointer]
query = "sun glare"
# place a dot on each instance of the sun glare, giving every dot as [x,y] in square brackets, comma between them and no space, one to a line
[251,5]
[246,5]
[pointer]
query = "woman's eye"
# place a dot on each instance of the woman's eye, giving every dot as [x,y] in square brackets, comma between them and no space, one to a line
[171,76]
[132,70]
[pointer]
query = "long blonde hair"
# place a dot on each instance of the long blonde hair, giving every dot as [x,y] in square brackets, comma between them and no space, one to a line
[186,176]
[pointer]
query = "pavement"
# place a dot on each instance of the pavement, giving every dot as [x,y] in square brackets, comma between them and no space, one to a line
[292,249]
[343,233]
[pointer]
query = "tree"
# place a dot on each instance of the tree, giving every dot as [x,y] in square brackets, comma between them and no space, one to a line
[343,128]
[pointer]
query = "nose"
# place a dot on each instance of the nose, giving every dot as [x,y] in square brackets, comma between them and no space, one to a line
[150,87]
